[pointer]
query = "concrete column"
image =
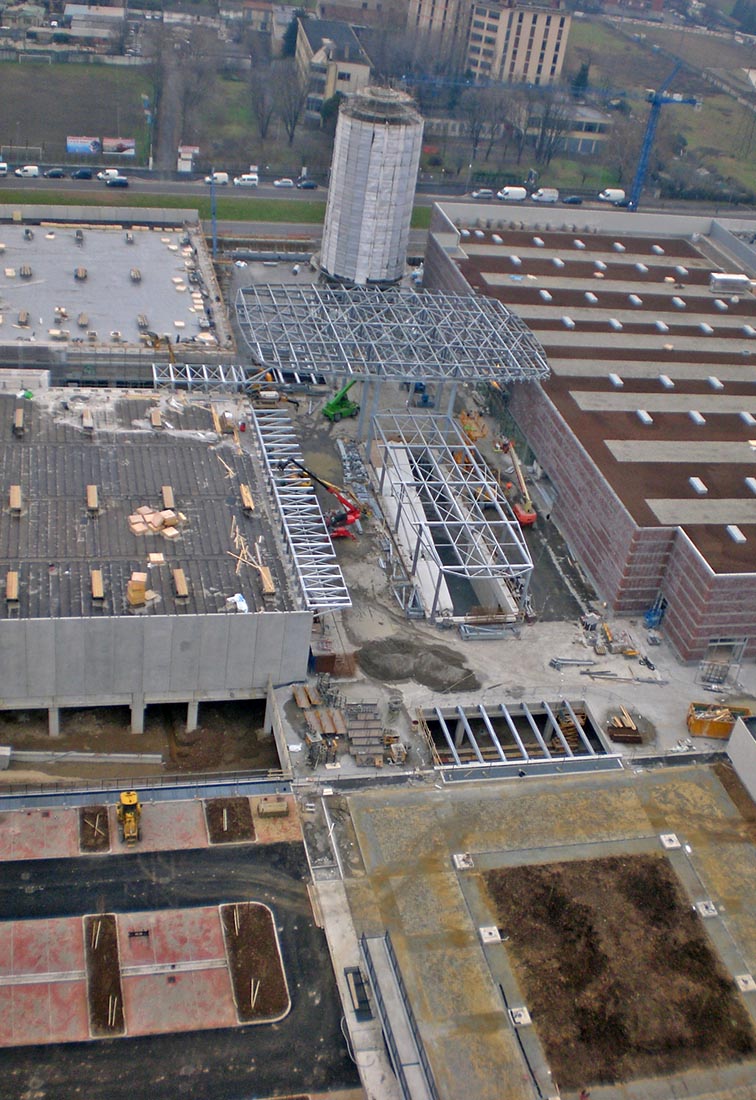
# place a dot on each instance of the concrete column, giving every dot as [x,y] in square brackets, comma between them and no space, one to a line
[137,714]
[459,733]
[53,721]
[192,713]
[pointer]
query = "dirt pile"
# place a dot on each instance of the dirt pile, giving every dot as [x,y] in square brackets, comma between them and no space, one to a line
[435,666]
[617,970]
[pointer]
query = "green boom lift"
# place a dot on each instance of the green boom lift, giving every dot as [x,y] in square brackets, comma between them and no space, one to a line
[340,406]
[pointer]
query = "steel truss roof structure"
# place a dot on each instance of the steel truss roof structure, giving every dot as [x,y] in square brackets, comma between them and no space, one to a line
[303,526]
[393,333]
[464,508]
[207,378]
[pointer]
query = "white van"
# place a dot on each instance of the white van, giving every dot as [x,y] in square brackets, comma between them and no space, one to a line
[545,194]
[512,194]
[217,178]
[108,174]
[612,194]
[249,179]
[28,172]
[3,168]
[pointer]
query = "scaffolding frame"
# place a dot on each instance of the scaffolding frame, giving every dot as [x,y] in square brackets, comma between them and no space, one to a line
[395,333]
[464,507]
[303,526]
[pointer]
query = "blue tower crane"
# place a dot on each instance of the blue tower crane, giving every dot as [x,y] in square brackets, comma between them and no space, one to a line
[657,99]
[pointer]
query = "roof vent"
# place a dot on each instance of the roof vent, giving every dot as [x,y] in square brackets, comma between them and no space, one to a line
[591,297]
[544,295]
[678,303]
[641,269]
[661,326]
[579,244]
[657,250]
[698,486]
[681,271]
[644,417]
[600,265]
[715,383]
[747,418]
[618,247]
[516,261]
[616,381]
[615,325]
[538,242]
[751,483]
[720,305]
[557,262]
[735,533]
[497,239]
[748,330]
[696,417]
[464,232]
[634,300]
[479,234]
[707,330]
[666,382]
[568,322]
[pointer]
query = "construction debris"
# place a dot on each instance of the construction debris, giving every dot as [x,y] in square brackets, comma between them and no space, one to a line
[622,728]
[710,720]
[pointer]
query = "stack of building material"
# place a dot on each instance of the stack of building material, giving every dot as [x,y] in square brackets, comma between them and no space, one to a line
[153,521]
[365,734]
[136,590]
[622,728]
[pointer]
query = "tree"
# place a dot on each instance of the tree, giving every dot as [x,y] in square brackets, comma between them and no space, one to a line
[290,95]
[554,122]
[580,81]
[289,44]
[329,112]
[196,55]
[473,111]
[262,98]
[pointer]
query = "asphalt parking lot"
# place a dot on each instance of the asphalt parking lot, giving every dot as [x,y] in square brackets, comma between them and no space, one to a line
[302,1053]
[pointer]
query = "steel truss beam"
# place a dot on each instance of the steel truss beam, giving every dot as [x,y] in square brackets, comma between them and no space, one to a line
[206,378]
[394,333]
[455,485]
[302,524]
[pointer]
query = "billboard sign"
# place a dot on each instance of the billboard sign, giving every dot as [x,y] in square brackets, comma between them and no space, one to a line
[119,147]
[83,146]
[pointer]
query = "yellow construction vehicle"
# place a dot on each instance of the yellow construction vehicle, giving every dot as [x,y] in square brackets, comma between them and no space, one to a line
[157,342]
[129,812]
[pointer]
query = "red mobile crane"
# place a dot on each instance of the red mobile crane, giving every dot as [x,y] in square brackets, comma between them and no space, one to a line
[340,520]
[525,513]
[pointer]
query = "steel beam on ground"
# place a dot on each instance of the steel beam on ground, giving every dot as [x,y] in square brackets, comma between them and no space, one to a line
[536,732]
[513,730]
[557,728]
[447,735]
[491,731]
[470,735]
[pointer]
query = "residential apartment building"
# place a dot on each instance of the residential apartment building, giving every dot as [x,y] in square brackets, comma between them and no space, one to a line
[329,56]
[517,43]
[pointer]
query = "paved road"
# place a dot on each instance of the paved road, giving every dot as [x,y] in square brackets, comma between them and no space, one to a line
[303,1053]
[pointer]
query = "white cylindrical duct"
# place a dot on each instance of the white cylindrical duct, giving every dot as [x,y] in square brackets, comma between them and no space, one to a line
[370,198]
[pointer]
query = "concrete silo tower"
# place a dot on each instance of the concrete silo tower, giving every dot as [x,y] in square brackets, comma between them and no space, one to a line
[373,175]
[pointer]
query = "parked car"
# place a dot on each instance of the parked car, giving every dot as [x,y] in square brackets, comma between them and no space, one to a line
[108,174]
[82,174]
[307,185]
[482,193]
[218,178]
[249,179]
[285,182]
[117,181]
[512,194]
[3,168]
[28,172]
[55,174]
[573,200]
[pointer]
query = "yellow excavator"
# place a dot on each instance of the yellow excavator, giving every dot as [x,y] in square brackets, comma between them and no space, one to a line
[129,812]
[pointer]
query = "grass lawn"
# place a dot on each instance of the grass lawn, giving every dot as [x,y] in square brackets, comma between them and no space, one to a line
[228,209]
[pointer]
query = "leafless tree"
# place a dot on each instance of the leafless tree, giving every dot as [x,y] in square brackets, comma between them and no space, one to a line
[197,57]
[290,94]
[496,105]
[554,122]
[472,109]
[262,97]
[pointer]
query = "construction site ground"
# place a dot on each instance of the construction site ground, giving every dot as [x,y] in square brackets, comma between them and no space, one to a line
[397,849]
[177,969]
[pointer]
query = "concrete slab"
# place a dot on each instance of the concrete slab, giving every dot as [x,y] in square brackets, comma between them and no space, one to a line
[39,834]
[165,826]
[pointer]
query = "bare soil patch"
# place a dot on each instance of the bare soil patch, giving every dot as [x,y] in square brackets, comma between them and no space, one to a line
[617,970]
[104,994]
[94,829]
[437,667]
[255,963]
[229,820]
